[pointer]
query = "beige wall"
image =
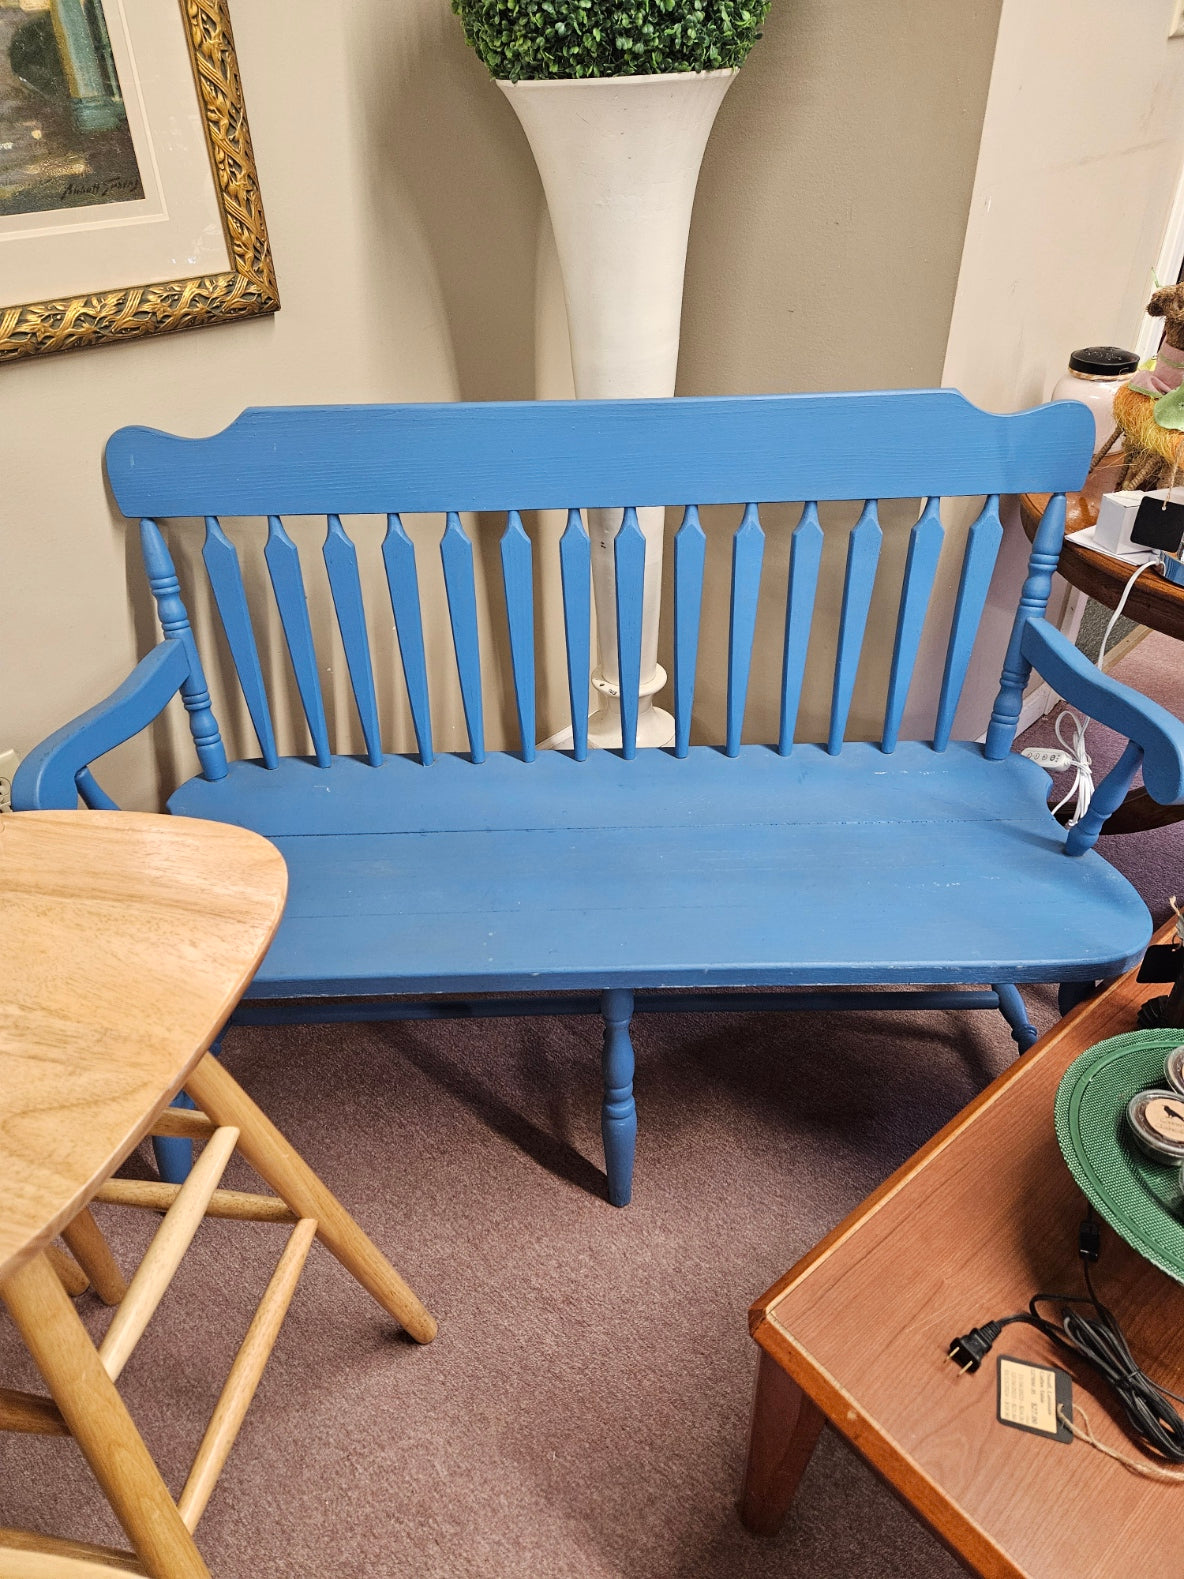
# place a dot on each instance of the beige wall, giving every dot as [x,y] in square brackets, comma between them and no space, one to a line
[406,222]
[1082,149]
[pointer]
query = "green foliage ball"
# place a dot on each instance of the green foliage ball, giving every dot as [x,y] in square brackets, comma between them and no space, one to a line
[529,39]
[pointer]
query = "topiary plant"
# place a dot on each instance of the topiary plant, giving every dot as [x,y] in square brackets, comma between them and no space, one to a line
[530,39]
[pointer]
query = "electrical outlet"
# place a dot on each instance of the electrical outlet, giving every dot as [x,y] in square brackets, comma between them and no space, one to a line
[1177,28]
[9,762]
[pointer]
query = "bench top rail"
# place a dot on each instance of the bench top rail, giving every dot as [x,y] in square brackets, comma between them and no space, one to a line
[539,455]
[450,460]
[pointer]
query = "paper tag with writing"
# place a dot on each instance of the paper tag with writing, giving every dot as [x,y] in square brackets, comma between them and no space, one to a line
[1030,1395]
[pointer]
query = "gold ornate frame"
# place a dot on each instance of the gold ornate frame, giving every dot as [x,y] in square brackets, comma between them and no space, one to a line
[247,290]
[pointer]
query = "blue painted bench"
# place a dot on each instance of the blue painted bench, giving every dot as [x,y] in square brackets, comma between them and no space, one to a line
[630,880]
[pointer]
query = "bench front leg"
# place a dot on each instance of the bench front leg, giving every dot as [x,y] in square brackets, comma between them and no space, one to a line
[618,1113]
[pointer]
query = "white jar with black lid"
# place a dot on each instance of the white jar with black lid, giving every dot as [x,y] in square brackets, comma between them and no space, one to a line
[1096,374]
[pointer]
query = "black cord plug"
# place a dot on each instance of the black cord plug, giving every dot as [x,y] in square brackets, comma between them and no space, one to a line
[970,1350]
[1089,1240]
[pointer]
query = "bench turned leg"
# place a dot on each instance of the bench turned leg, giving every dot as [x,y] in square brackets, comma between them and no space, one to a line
[618,1113]
[785,1426]
[1011,1007]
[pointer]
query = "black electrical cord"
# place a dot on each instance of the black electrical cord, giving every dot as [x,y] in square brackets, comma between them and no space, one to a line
[1099,1341]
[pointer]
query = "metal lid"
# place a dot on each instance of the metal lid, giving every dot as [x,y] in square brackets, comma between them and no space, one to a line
[1107,360]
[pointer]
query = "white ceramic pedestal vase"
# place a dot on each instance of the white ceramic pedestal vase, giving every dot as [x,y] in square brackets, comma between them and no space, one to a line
[619,159]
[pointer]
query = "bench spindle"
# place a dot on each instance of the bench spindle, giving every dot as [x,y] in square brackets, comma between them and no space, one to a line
[920,570]
[287,581]
[341,564]
[978,565]
[174,622]
[805,556]
[230,598]
[863,555]
[629,565]
[575,569]
[690,551]
[402,580]
[456,554]
[748,553]
[1046,551]
[518,582]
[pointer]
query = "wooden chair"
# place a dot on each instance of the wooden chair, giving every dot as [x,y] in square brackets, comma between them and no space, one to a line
[631,880]
[128,940]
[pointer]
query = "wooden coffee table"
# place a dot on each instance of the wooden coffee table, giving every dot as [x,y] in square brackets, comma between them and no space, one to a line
[980,1219]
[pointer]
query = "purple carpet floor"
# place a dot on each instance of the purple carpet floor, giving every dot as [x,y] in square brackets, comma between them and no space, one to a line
[582,1414]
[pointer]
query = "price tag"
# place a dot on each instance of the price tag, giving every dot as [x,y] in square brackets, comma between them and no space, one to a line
[1031,1395]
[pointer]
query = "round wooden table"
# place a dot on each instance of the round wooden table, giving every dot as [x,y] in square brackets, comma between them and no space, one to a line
[1154,602]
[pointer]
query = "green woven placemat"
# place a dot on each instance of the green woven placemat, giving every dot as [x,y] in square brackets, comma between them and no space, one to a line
[1139,1200]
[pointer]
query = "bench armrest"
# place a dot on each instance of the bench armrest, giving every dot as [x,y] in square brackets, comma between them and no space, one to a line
[1157,733]
[48,778]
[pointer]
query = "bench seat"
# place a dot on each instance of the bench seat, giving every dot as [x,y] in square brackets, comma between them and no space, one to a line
[915,866]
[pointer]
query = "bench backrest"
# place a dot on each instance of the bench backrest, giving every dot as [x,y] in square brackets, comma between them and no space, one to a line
[338,461]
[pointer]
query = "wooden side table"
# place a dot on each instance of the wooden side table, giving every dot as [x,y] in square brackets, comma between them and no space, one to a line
[128,940]
[856,1334]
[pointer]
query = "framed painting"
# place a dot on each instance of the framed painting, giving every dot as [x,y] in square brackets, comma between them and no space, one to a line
[129,202]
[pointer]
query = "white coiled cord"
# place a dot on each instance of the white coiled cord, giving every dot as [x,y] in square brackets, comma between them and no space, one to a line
[1073,750]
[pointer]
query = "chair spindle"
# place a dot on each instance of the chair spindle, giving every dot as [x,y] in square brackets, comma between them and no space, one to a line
[978,565]
[805,556]
[402,580]
[341,564]
[230,598]
[517,579]
[456,554]
[920,570]
[748,553]
[575,568]
[174,622]
[287,581]
[1046,551]
[690,551]
[629,566]
[863,555]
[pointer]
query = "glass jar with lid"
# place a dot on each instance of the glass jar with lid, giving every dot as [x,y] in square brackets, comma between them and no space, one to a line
[1095,376]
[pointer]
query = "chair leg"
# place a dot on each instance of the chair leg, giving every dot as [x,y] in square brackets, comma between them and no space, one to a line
[1011,1007]
[174,1157]
[73,1279]
[93,1254]
[618,1113]
[99,1422]
[222,1099]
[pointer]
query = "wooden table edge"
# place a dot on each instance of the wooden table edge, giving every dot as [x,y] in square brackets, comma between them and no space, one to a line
[85,1195]
[900,1472]
[959,1533]
[895,1182]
